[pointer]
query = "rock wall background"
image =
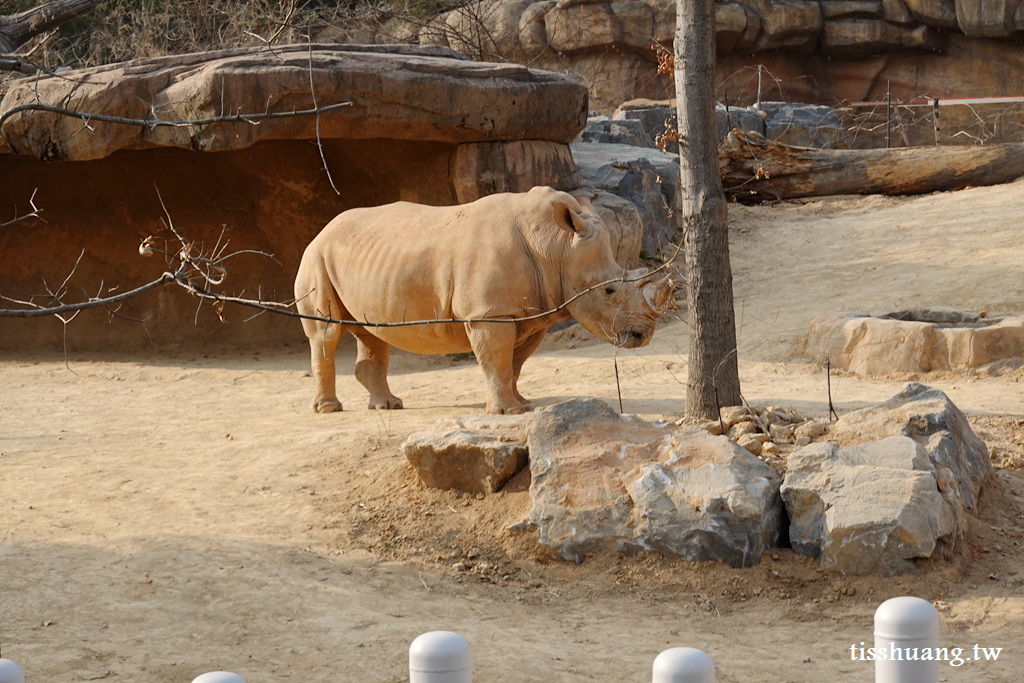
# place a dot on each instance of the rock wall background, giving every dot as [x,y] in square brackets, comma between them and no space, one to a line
[821,52]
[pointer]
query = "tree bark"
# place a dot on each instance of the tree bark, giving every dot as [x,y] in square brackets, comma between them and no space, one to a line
[755,169]
[17,29]
[713,379]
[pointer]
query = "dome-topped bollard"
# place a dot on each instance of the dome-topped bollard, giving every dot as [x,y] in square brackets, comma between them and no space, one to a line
[10,672]
[904,627]
[683,665]
[440,657]
[219,677]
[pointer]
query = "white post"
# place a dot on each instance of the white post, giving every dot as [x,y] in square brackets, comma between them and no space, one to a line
[683,665]
[903,628]
[440,657]
[10,672]
[219,677]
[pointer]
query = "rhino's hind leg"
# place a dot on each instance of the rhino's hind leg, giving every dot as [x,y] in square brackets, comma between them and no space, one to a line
[315,296]
[372,357]
[522,352]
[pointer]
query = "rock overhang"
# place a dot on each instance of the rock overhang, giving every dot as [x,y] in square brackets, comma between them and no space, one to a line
[394,90]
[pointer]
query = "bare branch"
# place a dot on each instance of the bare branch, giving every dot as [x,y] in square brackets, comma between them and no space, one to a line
[32,214]
[156,122]
[38,311]
[319,145]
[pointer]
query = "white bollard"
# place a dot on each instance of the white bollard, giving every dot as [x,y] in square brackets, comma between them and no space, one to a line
[903,628]
[440,657]
[683,665]
[11,672]
[219,677]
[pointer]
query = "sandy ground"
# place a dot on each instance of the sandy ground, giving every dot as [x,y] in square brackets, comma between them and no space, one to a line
[168,514]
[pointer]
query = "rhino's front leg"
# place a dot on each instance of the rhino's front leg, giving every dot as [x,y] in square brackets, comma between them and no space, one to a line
[522,352]
[372,357]
[494,345]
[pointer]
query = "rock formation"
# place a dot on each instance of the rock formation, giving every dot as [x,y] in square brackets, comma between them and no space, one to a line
[816,51]
[913,341]
[426,124]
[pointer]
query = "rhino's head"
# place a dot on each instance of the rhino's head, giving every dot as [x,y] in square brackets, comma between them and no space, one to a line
[621,307]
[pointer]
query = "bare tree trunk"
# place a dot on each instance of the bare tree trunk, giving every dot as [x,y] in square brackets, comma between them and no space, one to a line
[713,373]
[755,169]
[17,29]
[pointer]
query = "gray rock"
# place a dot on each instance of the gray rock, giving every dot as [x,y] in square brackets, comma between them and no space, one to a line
[802,125]
[927,416]
[602,165]
[600,481]
[620,132]
[643,176]
[641,185]
[870,509]
[709,499]
[744,118]
[652,119]
[464,460]
[622,219]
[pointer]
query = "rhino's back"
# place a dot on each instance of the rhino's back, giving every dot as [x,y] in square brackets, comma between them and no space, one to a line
[408,261]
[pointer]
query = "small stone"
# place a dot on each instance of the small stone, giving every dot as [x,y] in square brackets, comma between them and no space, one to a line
[734,414]
[769,448]
[460,566]
[751,443]
[741,428]
[803,441]
[810,429]
[712,427]
[614,570]
[473,552]
[781,433]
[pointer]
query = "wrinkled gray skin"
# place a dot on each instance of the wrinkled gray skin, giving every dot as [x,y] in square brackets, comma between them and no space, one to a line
[502,256]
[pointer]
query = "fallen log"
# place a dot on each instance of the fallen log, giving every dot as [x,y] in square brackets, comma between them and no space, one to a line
[755,169]
[17,29]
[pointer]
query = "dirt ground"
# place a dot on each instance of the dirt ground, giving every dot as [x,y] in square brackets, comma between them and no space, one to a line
[175,512]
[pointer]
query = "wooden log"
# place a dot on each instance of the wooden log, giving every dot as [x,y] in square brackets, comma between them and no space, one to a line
[16,29]
[755,169]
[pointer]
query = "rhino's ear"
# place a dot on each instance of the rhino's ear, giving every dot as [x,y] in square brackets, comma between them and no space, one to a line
[568,218]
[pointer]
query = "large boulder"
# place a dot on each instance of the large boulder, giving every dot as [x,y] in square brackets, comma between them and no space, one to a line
[644,176]
[802,125]
[930,418]
[622,218]
[871,509]
[425,125]
[600,481]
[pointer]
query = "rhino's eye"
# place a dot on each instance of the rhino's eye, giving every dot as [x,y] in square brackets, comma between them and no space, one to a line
[609,290]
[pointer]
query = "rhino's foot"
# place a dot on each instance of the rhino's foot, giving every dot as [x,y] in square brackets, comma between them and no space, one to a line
[327,406]
[390,403]
[505,410]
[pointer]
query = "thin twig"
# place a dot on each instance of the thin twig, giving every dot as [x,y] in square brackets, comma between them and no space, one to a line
[33,214]
[157,122]
[319,144]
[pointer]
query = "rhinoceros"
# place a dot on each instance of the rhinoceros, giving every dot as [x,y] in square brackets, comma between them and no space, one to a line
[511,255]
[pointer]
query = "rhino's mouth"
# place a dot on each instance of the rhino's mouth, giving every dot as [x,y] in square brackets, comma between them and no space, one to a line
[633,338]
